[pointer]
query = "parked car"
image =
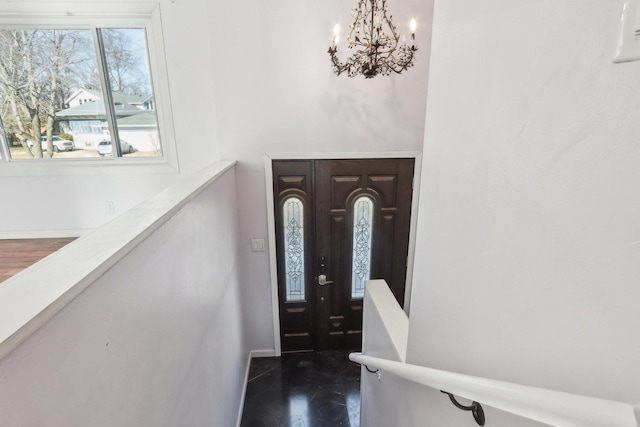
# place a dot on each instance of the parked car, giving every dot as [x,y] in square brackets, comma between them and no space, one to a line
[59,144]
[106,149]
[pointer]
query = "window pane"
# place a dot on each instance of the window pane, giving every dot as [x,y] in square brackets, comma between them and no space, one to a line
[131,91]
[52,101]
[43,72]
[293,220]
[362,238]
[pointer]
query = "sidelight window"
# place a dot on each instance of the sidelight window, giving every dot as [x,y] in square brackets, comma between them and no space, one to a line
[362,242]
[293,220]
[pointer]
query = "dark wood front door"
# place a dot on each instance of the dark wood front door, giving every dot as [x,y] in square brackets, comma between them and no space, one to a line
[338,224]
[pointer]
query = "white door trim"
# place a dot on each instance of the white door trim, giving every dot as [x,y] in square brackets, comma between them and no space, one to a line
[271,222]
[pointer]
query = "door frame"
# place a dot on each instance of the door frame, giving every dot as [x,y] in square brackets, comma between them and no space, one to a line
[271,222]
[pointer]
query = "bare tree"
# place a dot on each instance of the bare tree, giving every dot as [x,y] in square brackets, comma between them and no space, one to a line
[125,61]
[61,57]
[35,77]
[16,87]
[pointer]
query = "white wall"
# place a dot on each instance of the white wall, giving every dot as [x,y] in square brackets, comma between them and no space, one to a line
[155,341]
[527,258]
[385,330]
[276,92]
[76,200]
[388,400]
[247,77]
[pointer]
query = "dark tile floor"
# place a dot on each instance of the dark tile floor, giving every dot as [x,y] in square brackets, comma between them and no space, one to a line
[319,389]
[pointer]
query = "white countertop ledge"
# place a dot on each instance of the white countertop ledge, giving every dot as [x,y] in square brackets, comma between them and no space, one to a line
[33,296]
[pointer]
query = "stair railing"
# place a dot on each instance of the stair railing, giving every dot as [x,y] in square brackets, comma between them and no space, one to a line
[547,406]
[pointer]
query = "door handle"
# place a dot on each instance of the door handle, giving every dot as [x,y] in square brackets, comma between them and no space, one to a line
[322,280]
[322,270]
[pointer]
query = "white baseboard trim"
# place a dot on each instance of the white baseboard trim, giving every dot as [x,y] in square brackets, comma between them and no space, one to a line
[252,354]
[263,353]
[43,234]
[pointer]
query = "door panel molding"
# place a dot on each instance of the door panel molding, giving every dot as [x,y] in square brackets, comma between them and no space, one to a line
[271,232]
[299,312]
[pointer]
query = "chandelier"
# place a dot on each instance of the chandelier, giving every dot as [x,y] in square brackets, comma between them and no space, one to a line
[374,41]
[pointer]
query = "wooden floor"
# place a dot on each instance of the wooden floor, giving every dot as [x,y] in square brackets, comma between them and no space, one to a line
[18,254]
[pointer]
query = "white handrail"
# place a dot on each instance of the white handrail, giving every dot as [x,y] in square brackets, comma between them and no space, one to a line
[547,406]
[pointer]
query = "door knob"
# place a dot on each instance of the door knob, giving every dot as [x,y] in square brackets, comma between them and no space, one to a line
[322,280]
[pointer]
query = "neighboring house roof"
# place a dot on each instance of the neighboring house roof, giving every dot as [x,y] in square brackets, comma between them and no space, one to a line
[118,97]
[131,99]
[146,119]
[96,110]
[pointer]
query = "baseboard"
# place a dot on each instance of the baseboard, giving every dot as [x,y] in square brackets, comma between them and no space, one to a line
[43,234]
[263,353]
[252,354]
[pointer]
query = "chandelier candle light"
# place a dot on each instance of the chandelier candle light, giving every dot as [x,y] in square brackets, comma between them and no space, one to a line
[375,43]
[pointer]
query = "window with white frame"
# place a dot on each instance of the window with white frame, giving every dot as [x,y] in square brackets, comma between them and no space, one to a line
[76,82]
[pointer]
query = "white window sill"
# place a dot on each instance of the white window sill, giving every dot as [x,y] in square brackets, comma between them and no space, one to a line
[84,166]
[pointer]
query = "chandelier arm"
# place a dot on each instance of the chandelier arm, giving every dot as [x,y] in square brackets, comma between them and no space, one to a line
[337,66]
[399,68]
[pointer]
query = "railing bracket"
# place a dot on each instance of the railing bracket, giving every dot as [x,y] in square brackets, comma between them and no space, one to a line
[377,371]
[475,408]
[373,372]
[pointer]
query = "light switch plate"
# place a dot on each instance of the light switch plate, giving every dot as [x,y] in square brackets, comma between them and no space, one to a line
[257,245]
[629,43]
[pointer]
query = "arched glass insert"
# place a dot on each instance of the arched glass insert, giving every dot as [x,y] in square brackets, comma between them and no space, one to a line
[362,238]
[293,220]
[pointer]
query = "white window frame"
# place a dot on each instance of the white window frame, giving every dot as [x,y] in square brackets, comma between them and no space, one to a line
[89,15]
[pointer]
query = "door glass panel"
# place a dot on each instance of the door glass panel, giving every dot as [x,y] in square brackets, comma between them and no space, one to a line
[362,231]
[293,220]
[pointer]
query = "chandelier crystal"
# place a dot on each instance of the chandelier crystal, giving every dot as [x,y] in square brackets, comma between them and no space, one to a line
[374,41]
